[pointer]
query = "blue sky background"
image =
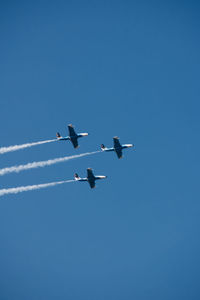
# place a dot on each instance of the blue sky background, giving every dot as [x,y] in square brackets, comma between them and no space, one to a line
[126,68]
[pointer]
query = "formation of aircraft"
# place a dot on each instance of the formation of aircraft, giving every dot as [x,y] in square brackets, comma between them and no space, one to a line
[117,147]
[91,178]
[73,136]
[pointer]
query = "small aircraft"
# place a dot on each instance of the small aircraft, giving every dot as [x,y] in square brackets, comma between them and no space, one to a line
[73,136]
[117,147]
[90,178]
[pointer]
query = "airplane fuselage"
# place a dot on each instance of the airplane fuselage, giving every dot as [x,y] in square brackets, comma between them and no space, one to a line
[127,146]
[118,148]
[63,138]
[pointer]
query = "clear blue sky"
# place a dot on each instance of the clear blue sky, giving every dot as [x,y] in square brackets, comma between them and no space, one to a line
[126,68]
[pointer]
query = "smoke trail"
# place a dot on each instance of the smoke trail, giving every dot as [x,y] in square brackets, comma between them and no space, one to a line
[41,164]
[23,146]
[21,189]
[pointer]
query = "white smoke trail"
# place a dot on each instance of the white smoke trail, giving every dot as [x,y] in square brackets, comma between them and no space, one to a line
[23,146]
[21,189]
[41,164]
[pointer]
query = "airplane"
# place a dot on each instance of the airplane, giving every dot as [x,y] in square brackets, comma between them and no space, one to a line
[91,178]
[73,136]
[117,147]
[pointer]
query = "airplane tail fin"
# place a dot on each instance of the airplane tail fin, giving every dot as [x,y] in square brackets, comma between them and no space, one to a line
[76,177]
[102,147]
[58,135]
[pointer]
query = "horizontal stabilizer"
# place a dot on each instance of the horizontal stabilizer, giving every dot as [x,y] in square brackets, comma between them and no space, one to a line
[58,135]
[76,177]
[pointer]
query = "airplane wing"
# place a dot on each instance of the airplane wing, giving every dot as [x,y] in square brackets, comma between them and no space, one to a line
[116,142]
[117,147]
[74,142]
[90,173]
[91,183]
[119,152]
[71,130]
[91,178]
